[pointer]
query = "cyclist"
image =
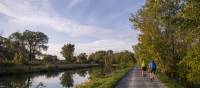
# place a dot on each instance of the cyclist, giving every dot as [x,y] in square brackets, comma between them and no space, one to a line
[152,67]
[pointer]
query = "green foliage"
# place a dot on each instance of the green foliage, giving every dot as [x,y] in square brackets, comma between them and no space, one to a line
[50,58]
[82,58]
[191,65]
[22,48]
[29,42]
[108,58]
[35,42]
[107,81]
[170,83]
[67,80]
[68,52]
[19,59]
[124,58]
[97,57]
[170,35]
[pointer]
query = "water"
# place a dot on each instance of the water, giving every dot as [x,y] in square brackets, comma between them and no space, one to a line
[66,79]
[54,79]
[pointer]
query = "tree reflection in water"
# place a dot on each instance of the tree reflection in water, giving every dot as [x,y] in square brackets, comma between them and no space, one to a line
[82,73]
[40,85]
[99,72]
[66,80]
[52,74]
[16,82]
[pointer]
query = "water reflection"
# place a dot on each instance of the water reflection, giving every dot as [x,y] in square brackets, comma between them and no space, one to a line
[67,79]
[99,72]
[82,73]
[40,85]
[54,79]
[15,82]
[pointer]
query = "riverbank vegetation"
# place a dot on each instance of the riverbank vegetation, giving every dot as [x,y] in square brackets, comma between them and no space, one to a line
[108,80]
[170,34]
[169,82]
[114,67]
[22,52]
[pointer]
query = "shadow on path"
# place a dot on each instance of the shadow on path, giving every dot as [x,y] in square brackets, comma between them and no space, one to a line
[134,79]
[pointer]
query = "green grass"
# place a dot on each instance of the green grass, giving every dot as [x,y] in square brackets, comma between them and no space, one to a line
[109,81]
[168,82]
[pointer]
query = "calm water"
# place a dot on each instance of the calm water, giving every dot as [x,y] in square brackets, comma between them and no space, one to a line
[67,79]
[64,79]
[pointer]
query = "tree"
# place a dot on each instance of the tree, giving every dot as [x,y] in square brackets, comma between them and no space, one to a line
[35,42]
[17,41]
[68,52]
[30,41]
[170,35]
[189,28]
[82,58]
[108,58]
[50,58]
[19,58]
[124,58]
[158,38]
[6,53]
[98,57]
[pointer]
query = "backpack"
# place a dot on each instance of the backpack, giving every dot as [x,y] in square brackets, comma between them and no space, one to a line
[153,66]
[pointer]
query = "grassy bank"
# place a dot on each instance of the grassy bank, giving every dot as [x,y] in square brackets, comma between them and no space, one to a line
[17,69]
[108,81]
[168,82]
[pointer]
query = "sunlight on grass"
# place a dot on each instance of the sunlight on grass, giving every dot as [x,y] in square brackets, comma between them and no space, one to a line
[109,81]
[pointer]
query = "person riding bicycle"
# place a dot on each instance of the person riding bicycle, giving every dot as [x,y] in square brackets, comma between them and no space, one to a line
[152,67]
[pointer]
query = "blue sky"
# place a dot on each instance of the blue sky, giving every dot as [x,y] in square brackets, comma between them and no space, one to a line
[89,24]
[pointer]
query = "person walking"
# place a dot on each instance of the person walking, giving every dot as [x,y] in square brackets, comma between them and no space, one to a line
[152,67]
[144,68]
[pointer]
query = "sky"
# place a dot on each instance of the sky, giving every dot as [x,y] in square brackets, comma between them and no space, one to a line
[89,24]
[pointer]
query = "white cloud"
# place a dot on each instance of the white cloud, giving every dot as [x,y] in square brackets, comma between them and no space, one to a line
[21,13]
[24,13]
[28,16]
[55,49]
[115,45]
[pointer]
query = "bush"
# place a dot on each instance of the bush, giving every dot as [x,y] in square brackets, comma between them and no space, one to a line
[19,59]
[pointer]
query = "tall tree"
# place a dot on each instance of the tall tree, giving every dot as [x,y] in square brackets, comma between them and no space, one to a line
[18,43]
[82,58]
[170,35]
[158,40]
[68,52]
[189,28]
[34,42]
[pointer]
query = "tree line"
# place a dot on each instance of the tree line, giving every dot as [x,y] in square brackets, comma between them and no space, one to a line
[22,47]
[26,47]
[102,57]
[170,34]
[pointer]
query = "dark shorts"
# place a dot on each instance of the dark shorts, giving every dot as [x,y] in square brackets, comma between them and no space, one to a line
[144,68]
[153,71]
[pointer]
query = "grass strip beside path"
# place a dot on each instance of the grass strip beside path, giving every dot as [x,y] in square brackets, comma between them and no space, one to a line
[168,82]
[109,81]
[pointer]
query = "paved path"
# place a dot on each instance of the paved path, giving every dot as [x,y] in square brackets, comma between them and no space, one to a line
[134,79]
